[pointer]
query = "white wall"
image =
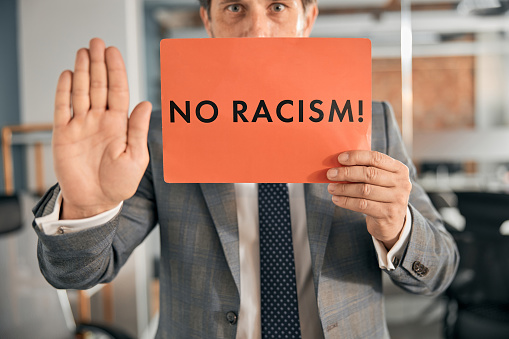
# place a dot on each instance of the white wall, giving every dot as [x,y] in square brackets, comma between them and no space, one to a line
[490,83]
[50,33]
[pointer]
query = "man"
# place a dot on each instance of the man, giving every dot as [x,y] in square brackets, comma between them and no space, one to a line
[210,257]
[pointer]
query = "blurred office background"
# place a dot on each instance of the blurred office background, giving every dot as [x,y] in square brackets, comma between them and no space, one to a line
[442,64]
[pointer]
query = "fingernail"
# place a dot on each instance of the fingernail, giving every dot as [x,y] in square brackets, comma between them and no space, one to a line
[343,157]
[332,173]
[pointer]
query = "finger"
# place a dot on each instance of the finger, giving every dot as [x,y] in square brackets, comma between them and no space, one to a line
[98,75]
[62,114]
[366,191]
[138,130]
[363,174]
[370,158]
[372,208]
[81,83]
[118,91]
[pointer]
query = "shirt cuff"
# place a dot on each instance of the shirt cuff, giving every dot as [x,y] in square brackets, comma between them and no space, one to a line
[51,225]
[389,260]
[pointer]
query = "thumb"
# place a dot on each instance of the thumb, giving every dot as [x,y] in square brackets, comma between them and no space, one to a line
[137,131]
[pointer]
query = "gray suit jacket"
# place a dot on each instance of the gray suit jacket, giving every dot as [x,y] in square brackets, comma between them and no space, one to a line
[200,273]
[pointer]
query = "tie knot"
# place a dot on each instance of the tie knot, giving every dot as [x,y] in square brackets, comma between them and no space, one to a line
[272,187]
[273,200]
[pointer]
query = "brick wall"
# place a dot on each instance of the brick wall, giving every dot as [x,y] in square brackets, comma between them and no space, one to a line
[443,90]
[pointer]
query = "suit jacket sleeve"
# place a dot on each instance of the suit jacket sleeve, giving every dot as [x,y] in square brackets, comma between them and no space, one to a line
[430,246]
[83,259]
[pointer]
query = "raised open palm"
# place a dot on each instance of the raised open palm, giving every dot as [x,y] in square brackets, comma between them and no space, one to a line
[99,152]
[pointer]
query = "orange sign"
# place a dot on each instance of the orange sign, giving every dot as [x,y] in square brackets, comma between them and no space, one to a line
[262,109]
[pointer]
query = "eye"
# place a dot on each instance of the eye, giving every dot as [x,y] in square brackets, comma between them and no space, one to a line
[234,8]
[278,7]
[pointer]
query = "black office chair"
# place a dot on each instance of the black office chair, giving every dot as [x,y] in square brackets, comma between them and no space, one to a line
[478,298]
[10,214]
[100,330]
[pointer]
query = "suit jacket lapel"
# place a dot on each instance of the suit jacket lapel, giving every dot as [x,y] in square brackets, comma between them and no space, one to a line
[220,200]
[319,213]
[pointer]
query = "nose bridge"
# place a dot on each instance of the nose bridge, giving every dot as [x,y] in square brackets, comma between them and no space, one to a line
[259,22]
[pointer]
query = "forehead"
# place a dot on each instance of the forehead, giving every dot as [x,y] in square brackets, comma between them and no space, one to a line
[237,1]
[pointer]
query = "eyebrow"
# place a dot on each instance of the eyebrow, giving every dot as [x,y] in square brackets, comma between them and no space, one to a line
[224,2]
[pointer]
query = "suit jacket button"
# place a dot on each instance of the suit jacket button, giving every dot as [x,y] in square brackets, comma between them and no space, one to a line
[419,269]
[425,271]
[231,317]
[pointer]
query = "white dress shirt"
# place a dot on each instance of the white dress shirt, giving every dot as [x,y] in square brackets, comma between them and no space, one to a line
[246,194]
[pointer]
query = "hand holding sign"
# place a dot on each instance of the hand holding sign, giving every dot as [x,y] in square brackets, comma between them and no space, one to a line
[378,186]
[100,154]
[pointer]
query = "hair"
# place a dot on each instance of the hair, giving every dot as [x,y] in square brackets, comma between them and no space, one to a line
[206,4]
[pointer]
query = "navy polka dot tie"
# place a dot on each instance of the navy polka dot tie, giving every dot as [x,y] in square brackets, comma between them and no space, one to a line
[280,311]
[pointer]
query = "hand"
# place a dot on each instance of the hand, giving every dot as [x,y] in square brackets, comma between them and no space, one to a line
[376,185]
[100,154]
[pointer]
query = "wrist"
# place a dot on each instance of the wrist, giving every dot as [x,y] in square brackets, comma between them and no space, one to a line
[69,211]
[390,243]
